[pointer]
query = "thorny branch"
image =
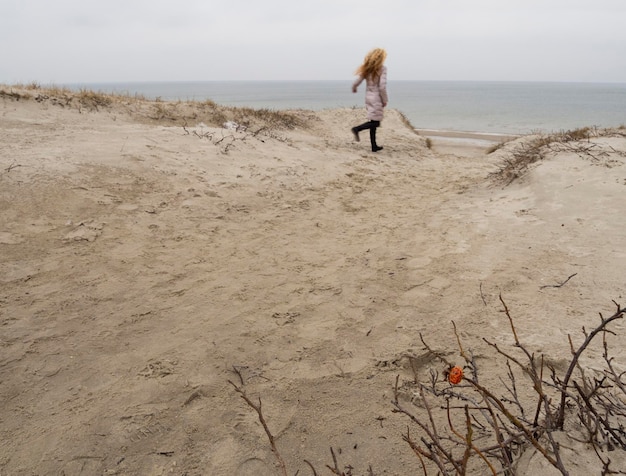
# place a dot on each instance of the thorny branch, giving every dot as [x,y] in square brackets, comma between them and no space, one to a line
[496,428]
[601,328]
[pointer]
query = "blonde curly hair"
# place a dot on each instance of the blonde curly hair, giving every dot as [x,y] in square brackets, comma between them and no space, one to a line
[372,64]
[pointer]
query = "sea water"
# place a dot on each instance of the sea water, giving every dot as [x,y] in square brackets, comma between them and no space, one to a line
[464,106]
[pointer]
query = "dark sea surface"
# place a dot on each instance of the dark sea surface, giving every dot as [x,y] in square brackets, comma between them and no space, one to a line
[468,106]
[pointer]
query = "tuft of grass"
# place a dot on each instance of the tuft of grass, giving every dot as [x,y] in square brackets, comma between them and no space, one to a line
[10,93]
[583,133]
[270,118]
[93,100]
[531,151]
[495,147]
[525,154]
[405,120]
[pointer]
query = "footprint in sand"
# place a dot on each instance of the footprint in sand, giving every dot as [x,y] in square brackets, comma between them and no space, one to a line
[85,231]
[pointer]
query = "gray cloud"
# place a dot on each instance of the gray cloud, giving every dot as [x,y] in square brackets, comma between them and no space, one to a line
[87,40]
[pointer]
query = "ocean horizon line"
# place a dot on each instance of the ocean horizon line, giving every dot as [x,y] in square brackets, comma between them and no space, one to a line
[349,80]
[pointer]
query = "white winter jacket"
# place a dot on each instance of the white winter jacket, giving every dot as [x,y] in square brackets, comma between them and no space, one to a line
[375,95]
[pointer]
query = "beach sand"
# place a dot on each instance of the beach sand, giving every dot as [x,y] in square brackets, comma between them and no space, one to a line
[144,265]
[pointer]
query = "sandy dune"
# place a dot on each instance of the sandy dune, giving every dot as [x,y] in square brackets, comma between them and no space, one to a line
[144,265]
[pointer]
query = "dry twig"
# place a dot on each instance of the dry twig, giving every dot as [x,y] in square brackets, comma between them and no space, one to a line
[270,437]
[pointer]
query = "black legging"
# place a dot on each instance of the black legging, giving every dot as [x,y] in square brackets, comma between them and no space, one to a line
[371,125]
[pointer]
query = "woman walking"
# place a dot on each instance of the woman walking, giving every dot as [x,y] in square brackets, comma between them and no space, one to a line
[374,72]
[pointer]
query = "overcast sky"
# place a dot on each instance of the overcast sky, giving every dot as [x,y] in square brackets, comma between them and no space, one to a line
[69,41]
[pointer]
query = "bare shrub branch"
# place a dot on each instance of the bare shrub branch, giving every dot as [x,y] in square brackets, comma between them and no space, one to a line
[497,429]
[257,408]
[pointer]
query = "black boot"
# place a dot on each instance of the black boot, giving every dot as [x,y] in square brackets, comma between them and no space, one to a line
[361,127]
[375,148]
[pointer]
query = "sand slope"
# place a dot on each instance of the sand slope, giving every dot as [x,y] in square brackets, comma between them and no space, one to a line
[140,264]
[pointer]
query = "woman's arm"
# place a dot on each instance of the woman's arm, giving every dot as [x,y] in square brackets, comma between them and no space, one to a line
[357,83]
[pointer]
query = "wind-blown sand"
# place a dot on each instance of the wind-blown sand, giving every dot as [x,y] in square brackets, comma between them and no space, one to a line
[141,264]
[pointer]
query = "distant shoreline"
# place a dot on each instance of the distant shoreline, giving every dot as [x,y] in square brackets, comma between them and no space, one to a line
[465,135]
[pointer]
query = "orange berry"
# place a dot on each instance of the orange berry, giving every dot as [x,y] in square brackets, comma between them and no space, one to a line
[455,375]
